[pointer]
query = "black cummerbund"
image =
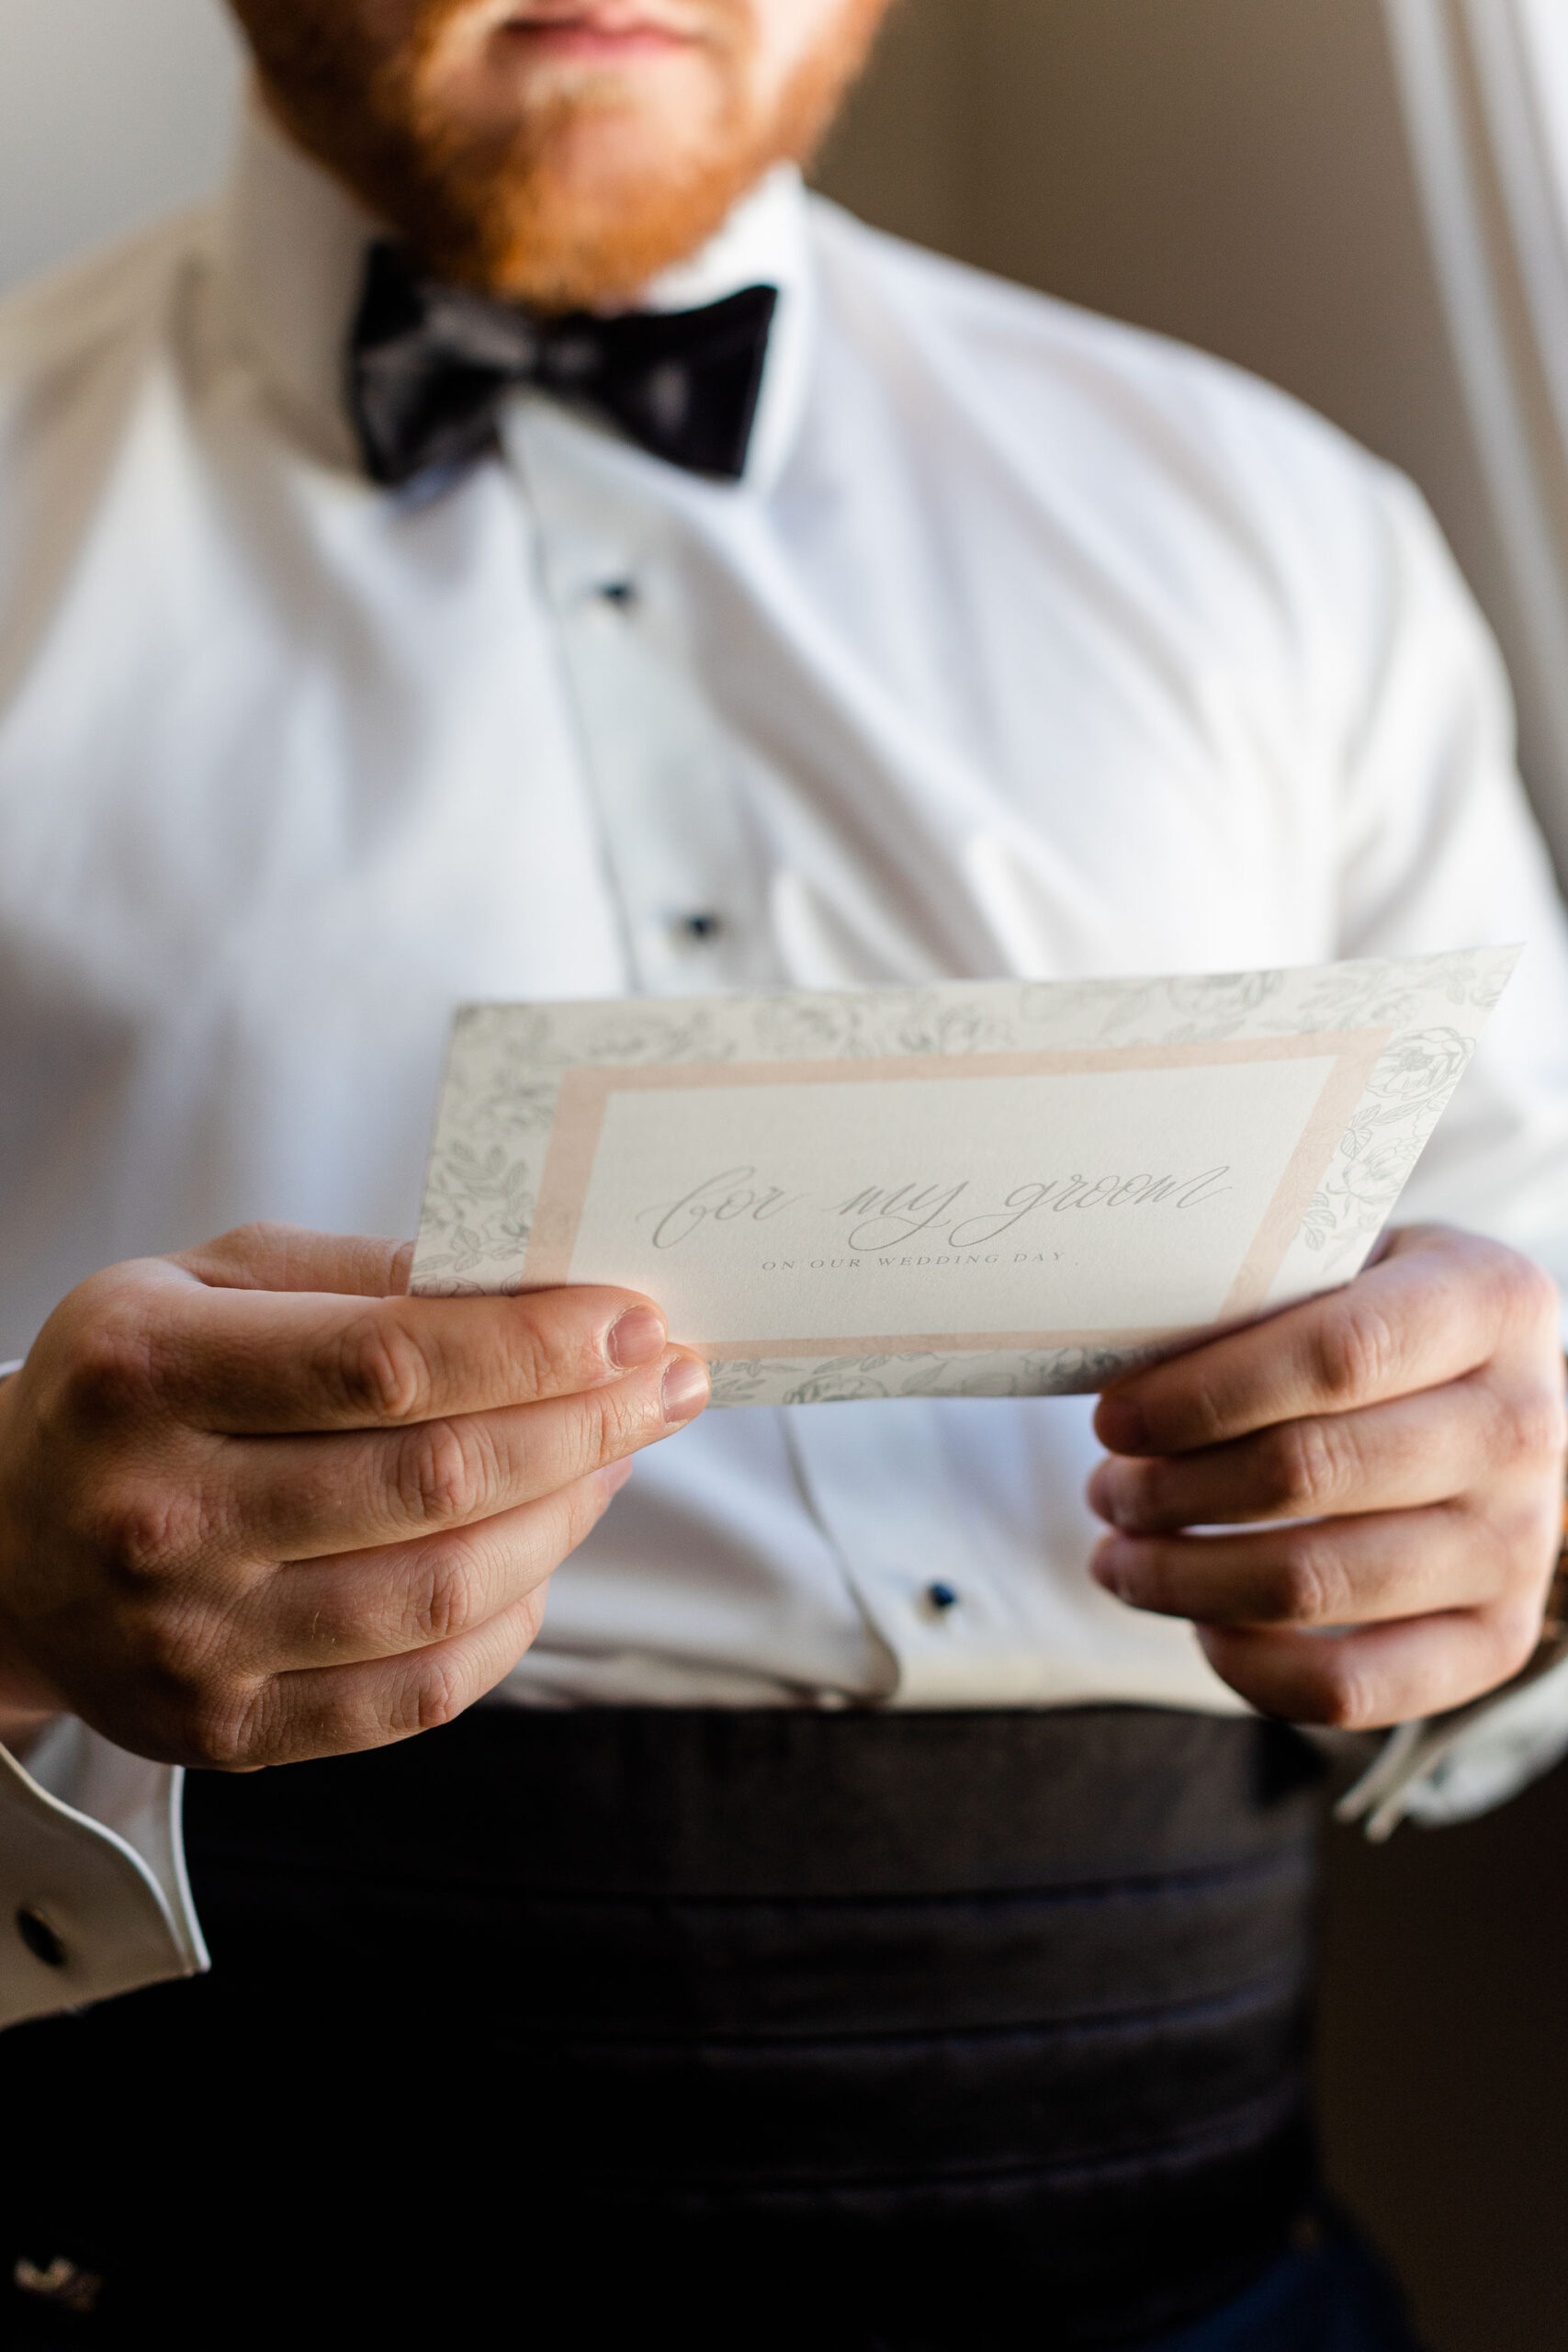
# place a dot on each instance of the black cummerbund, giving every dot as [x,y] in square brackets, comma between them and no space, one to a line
[822,2028]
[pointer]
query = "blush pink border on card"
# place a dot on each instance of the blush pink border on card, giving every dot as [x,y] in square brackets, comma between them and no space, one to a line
[585,1092]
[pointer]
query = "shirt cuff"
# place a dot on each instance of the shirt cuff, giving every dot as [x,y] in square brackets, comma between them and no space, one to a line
[93,1897]
[1450,1767]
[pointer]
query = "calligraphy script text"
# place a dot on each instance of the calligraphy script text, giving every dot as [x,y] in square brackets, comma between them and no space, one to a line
[889,1216]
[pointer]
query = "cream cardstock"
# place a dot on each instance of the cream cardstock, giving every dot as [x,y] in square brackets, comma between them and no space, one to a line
[982,1188]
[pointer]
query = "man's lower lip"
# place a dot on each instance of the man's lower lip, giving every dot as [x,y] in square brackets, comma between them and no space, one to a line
[589,41]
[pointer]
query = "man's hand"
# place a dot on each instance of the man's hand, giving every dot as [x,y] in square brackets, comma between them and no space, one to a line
[1416,1421]
[256,1505]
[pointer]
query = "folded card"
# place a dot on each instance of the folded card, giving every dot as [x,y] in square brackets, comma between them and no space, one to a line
[991,1188]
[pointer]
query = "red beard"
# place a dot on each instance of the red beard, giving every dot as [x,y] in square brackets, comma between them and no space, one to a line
[500,207]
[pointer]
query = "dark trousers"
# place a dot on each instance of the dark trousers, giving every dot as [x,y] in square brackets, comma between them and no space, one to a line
[848,2030]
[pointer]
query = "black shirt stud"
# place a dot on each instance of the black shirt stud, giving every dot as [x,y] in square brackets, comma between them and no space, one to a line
[40,1938]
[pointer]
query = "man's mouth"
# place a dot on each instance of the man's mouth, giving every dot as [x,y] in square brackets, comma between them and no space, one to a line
[609,32]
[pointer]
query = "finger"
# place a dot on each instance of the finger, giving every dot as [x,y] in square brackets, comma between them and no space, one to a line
[292,1257]
[1339,1572]
[255,1362]
[1423,1449]
[1364,1682]
[409,1597]
[341,1709]
[1430,1311]
[304,1497]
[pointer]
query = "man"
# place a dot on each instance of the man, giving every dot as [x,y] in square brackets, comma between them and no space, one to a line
[519,546]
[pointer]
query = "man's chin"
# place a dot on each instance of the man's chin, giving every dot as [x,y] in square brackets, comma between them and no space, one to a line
[607,186]
[578,240]
[655,98]
[618,149]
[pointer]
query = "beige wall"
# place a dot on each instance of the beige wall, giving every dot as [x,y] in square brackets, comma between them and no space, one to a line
[1234,171]
[111,111]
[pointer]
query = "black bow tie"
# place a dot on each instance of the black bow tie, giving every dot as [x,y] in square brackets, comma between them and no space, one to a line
[429,365]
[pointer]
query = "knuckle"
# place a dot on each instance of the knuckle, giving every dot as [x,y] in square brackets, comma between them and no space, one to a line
[1300,1467]
[1348,1698]
[143,1535]
[1355,1349]
[1210,1414]
[607,1424]
[443,1589]
[183,1648]
[227,1729]
[110,1374]
[377,1367]
[260,1237]
[625,1415]
[437,1694]
[544,1354]
[166,1641]
[264,1254]
[1149,1578]
[1529,1429]
[1524,1292]
[1307,1589]
[444,1473]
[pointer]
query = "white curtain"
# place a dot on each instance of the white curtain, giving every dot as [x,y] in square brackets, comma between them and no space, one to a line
[1543,34]
[1484,86]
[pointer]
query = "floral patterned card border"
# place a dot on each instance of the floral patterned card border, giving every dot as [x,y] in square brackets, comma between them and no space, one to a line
[508,1064]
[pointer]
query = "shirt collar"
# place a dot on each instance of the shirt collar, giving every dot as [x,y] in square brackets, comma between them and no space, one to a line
[292,240]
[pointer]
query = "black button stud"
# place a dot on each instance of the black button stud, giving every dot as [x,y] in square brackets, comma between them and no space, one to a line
[703,928]
[621,594]
[40,1939]
[941,1597]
